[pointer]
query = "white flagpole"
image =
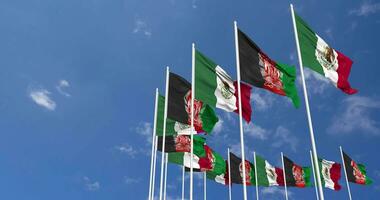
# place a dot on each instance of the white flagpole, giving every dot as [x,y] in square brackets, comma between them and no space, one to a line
[283,167]
[154,166]
[315,179]
[183,182]
[240,111]
[314,148]
[164,132]
[204,186]
[192,117]
[166,174]
[345,173]
[153,141]
[229,175]
[256,180]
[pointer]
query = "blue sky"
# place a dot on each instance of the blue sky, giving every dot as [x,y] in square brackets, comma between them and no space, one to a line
[78,78]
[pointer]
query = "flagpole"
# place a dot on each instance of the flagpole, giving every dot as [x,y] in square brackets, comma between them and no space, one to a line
[154,165]
[153,141]
[166,174]
[240,111]
[284,174]
[183,182]
[345,173]
[204,186]
[315,179]
[314,148]
[164,132]
[192,117]
[256,180]
[229,175]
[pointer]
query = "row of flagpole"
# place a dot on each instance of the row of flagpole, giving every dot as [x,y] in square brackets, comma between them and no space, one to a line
[313,153]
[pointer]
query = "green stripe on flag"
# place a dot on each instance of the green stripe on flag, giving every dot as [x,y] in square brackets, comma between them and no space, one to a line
[262,178]
[364,172]
[308,44]
[288,80]
[205,79]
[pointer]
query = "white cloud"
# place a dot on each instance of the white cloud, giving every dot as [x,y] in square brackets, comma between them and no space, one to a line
[256,131]
[355,114]
[283,137]
[127,149]
[145,129]
[194,4]
[262,100]
[366,8]
[275,191]
[129,180]
[329,33]
[62,84]
[315,82]
[218,126]
[41,97]
[142,27]
[91,185]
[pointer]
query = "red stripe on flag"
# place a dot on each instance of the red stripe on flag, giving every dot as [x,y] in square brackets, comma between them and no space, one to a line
[245,100]
[335,175]
[343,71]
[280,176]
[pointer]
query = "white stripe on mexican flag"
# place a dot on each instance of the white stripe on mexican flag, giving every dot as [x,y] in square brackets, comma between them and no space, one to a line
[224,91]
[320,57]
[330,172]
[268,175]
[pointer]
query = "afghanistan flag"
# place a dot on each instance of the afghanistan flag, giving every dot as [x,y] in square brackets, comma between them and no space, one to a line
[320,57]
[257,69]
[267,175]
[179,106]
[172,127]
[330,174]
[237,171]
[184,158]
[356,173]
[179,143]
[296,175]
[216,88]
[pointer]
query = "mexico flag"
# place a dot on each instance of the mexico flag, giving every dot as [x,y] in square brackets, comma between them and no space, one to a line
[179,106]
[179,143]
[267,175]
[237,171]
[216,88]
[296,175]
[221,178]
[320,57]
[257,69]
[185,159]
[172,127]
[330,174]
[356,173]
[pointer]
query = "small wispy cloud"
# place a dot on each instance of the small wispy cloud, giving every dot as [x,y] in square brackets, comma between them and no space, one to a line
[261,100]
[218,128]
[62,85]
[283,137]
[329,33]
[355,114]
[366,8]
[42,98]
[316,83]
[91,185]
[256,131]
[194,4]
[145,129]
[130,180]
[127,149]
[142,27]
[271,191]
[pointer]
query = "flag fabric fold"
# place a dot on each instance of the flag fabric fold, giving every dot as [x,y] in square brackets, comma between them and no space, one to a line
[257,69]
[216,88]
[179,143]
[320,57]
